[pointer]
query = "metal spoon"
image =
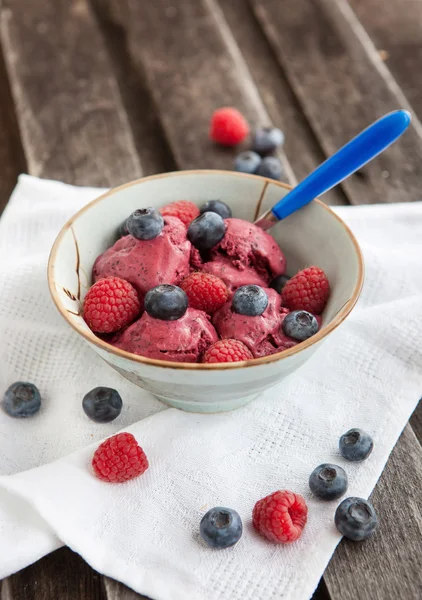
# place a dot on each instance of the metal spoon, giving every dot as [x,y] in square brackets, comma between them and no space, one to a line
[359,151]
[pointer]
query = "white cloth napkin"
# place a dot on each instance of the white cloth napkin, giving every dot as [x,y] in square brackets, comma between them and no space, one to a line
[145,532]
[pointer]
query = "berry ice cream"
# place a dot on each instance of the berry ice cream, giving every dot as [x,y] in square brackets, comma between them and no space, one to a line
[147,263]
[211,283]
[262,334]
[181,340]
[245,255]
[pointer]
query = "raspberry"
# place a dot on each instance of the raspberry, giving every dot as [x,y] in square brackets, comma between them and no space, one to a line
[110,304]
[227,351]
[307,290]
[281,516]
[228,127]
[205,292]
[182,209]
[119,458]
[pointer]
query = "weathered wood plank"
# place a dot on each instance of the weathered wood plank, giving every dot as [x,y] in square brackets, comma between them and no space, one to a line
[150,140]
[192,65]
[62,575]
[342,89]
[416,422]
[301,147]
[387,567]
[73,124]
[12,158]
[395,28]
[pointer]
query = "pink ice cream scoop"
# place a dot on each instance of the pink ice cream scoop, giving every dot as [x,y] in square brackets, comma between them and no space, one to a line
[181,340]
[263,334]
[147,263]
[245,255]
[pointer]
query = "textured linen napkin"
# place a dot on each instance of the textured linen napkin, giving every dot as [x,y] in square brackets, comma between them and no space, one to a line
[145,532]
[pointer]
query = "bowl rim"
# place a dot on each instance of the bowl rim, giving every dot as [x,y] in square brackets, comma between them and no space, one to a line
[339,317]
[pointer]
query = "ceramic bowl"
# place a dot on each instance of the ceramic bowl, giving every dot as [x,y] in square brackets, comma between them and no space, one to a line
[313,235]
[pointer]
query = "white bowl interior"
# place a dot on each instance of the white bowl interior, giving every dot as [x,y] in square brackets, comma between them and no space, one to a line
[313,235]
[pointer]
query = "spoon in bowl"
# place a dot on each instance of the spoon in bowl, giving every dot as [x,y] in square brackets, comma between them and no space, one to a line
[346,161]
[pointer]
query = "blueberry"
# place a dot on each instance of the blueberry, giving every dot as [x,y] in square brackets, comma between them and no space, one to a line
[355,445]
[300,325]
[221,527]
[218,207]
[166,302]
[206,230]
[145,223]
[328,481]
[22,399]
[122,230]
[356,519]
[250,300]
[247,162]
[267,139]
[102,404]
[270,167]
[279,282]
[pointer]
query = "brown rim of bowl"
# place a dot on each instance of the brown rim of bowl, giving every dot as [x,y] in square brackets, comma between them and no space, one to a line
[93,339]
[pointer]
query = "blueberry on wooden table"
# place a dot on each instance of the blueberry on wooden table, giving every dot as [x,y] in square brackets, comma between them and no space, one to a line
[247,162]
[267,139]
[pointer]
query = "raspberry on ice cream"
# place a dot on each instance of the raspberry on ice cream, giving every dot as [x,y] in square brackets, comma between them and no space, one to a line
[147,263]
[184,210]
[110,304]
[308,290]
[182,340]
[205,292]
[227,351]
[245,255]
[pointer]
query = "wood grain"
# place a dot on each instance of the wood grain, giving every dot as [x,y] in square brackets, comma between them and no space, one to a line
[117,591]
[12,158]
[151,143]
[73,124]
[301,147]
[62,575]
[192,65]
[396,32]
[394,553]
[342,90]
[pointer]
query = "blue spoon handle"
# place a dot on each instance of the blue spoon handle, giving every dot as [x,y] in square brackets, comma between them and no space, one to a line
[363,148]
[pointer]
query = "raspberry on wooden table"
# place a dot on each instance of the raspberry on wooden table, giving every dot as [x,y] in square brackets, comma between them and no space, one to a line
[184,210]
[205,291]
[119,458]
[228,126]
[227,351]
[110,304]
[308,290]
[281,516]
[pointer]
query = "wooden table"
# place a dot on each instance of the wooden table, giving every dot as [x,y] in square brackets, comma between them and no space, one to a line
[102,92]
